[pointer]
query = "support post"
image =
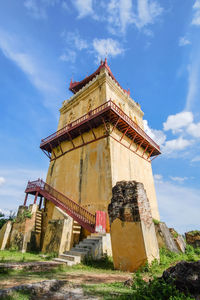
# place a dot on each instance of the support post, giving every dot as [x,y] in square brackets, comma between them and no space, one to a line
[25,200]
[40,203]
[36,195]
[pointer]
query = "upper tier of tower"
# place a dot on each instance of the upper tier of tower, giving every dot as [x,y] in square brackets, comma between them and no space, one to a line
[93,91]
[75,86]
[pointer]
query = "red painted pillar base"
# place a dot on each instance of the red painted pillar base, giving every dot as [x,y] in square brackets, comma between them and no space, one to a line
[36,195]
[100,225]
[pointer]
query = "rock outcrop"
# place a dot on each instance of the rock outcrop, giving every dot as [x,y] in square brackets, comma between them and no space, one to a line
[165,238]
[193,238]
[186,277]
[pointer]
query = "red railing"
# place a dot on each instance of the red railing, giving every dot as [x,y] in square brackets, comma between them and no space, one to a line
[105,106]
[76,211]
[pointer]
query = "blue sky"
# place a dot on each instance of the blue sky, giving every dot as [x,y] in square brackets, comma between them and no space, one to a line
[153,48]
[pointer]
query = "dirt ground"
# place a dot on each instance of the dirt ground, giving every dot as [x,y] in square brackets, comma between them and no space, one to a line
[72,277]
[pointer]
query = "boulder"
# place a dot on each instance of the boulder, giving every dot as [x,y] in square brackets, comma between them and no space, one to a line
[186,277]
[178,239]
[165,238]
[193,238]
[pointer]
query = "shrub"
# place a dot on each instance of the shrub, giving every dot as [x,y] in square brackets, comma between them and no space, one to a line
[156,289]
[156,222]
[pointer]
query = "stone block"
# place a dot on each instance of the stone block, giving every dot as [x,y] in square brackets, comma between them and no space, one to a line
[165,238]
[133,236]
[5,234]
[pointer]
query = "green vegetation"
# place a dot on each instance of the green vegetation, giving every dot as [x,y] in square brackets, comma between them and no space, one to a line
[4,219]
[146,282]
[23,216]
[20,295]
[156,222]
[194,232]
[17,256]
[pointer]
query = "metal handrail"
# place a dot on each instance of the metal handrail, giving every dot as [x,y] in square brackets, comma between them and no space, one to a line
[91,114]
[63,200]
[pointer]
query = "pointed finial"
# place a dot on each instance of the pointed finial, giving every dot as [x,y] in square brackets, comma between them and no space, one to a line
[105,61]
[101,62]
[70,85]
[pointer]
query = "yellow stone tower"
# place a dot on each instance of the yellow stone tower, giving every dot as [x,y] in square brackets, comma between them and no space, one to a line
[100,140]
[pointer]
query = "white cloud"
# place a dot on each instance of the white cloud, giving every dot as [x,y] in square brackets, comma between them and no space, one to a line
[12,191]
[176,144]
[196,159]
[65,6]
[73,43]
[194,129]
[179,206]
[74,40]
[37,8]
[2,180]
[33,67]
[196,17]
[84,7]
[107,48]
[178,121]
[157,135]
[68,55]
[119,15]
[158,177]
[179,179]
[148,11]
[193,82]
[183,41]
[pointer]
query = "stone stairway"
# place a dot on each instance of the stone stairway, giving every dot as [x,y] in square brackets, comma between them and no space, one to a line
[89,247]
[38,221]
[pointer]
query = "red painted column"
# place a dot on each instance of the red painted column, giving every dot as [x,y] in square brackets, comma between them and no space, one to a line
[36,195]
[100,225]
[25,200]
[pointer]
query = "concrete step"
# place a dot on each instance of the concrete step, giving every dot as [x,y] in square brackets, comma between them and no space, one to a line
[90,237]
[74,258]
[98,234]
[68,262]
[90,241]
[76,232]
[84,246]
[80,254]
[76,226]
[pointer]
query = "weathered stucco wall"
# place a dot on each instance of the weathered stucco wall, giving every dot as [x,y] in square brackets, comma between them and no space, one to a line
[126,165]
[84,175]
[87,174]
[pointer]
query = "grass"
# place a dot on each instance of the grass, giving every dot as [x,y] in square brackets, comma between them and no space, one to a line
[20,295]
[17,256]
[141,289]
[108,291]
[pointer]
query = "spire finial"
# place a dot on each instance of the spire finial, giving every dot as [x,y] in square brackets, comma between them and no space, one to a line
[106,64]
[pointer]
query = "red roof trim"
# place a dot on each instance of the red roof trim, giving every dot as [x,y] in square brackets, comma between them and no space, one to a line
[75,86]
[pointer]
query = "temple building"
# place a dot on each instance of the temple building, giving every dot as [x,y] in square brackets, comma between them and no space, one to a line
[100,141]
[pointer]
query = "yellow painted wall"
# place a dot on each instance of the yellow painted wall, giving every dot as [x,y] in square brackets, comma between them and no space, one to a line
[127,245]
[87,174]
[126,165]
[84,175]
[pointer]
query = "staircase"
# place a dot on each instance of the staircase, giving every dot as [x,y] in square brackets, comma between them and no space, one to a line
[38,221]
[89,247]
[82,216]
